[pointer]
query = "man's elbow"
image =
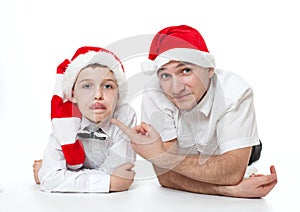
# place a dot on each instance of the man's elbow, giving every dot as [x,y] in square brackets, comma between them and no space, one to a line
[235,178]
[164,181]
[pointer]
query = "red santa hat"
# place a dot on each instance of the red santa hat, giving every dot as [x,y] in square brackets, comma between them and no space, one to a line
[179,43]
[88,55]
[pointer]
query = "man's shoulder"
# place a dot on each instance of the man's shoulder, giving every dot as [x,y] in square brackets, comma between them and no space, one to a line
[232,85]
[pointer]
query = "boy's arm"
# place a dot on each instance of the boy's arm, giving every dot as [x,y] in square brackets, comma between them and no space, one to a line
[56,177]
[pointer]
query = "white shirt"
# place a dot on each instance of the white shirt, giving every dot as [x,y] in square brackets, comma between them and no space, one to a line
[102,157]
[223,120]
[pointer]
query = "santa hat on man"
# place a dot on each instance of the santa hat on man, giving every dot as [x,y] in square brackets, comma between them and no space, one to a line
[85,56]
[179,43]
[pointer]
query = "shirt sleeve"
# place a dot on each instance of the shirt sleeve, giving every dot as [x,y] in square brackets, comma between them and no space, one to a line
[159,111]
[55,177]
[237,128]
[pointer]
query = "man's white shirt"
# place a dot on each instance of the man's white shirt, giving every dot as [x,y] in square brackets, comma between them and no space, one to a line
[223,120]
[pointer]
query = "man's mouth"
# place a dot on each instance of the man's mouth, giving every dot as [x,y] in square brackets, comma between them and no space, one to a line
[180,97]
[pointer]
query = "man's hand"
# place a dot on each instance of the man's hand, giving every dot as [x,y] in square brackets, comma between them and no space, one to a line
[122,177]
[145,140]
[36,167]
[255,186]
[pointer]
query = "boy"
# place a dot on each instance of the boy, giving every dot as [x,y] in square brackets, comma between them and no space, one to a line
[86,153]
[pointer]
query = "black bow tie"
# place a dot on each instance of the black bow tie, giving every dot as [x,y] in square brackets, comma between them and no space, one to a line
[98,134]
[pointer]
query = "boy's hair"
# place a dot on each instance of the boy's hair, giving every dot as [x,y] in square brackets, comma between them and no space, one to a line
[85,56]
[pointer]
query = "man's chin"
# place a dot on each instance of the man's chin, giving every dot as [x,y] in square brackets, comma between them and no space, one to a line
[186,106]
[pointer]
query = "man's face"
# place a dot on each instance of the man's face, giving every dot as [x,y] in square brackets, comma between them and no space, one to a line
[184,83]
[96,93]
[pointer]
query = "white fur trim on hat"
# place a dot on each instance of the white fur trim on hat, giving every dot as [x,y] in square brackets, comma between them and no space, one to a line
[89,58]
[149,66]
[194,56]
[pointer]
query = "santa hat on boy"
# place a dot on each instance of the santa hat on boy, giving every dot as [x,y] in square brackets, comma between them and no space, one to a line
[85,56]
[179,43]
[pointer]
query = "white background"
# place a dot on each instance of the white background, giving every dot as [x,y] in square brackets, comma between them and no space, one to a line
[257,39]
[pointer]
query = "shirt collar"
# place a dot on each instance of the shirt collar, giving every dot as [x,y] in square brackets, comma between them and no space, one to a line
[205,105]
[104,125]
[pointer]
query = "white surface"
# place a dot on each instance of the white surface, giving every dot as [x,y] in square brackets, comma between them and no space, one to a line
[144,195]
[257,39]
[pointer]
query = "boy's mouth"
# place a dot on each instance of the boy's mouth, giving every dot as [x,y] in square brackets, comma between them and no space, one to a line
[98,106]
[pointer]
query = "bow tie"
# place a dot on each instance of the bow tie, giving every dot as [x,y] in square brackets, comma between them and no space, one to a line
[88,132]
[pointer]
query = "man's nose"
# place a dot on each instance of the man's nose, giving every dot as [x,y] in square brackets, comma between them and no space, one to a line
[177,85]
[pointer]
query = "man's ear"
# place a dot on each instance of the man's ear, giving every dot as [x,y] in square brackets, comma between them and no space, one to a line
[211,72]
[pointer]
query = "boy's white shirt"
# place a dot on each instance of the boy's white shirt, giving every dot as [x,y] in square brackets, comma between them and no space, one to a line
[99,164]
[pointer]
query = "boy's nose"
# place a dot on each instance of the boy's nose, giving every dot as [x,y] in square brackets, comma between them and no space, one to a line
[98,95]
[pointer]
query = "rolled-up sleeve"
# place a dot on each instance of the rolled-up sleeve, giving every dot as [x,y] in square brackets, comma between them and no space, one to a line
[238,128]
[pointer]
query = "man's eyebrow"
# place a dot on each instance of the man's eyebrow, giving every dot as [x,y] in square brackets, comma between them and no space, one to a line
[180,64]
[160,69]
[183,63]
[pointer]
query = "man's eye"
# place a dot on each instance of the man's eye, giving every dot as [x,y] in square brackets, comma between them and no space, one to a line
[186,71]
[165,76]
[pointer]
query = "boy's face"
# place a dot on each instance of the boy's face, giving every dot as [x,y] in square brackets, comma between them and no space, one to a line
[184,83]
[96,93]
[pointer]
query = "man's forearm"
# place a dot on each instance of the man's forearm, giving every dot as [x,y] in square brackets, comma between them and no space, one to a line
[173,180]
[224,169]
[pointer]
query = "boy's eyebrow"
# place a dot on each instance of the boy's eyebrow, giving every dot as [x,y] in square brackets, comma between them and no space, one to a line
[109,79]
[103,80]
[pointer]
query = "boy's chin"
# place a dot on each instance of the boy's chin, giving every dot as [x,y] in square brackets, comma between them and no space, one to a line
[99,118]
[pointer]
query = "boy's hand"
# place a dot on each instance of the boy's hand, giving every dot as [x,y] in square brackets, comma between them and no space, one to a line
[122,177]
[36,167]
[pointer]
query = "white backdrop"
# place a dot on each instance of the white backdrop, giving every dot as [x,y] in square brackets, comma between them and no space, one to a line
[257,39]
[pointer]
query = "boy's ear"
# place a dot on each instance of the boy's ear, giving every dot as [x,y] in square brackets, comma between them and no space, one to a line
[73,99]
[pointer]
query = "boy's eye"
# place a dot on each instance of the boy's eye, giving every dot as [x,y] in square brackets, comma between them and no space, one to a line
[107,86]
[87,86]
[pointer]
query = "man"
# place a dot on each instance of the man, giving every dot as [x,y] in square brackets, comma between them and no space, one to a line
[203,130]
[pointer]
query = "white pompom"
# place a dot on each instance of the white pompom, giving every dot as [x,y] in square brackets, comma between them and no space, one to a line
[148,67]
